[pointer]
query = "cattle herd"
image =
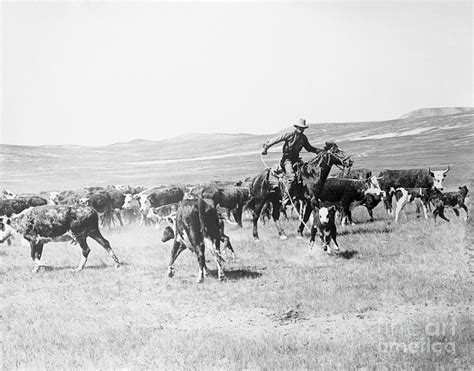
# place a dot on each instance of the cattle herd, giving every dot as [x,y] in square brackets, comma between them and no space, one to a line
[195,214]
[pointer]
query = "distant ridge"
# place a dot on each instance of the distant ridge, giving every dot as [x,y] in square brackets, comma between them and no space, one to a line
[441,111]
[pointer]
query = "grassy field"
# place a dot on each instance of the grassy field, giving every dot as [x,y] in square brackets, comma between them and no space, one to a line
[400,296]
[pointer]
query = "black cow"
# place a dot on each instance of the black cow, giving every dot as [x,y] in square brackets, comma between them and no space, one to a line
[390,180]
[360,174]
[456,199]
[344,192]
[17,205]
[196,226]
[103,204]
[230,197]
[43,224]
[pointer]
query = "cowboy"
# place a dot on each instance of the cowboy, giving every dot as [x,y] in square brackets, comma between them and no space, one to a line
[293,143]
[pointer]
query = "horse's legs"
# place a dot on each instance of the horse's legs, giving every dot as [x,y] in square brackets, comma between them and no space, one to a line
[256,213]
[276,217]
[307,213]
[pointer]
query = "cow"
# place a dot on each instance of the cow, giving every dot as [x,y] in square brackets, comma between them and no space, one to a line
[65,197]
[43,224]
[196,227]
[324,224]
[406,195]
[390,180]
[360,174]
[131,206]
[16,205]
[118,198]
[103,204]
[230,197]
[159,214]
[344,192]
[456,199]
[159,197]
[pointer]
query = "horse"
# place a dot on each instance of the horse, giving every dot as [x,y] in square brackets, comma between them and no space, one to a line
[266,186]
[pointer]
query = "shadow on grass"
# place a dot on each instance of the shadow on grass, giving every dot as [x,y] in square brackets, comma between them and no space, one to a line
[237,274]
[48,268]
[3,253]
[365,230]
[347,254]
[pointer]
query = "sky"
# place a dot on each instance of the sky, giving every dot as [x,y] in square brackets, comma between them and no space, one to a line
[95,73]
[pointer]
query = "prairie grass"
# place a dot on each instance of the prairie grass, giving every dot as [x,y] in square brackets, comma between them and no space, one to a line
[381,304]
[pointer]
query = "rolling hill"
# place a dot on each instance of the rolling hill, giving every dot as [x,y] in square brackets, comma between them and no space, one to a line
[423,138]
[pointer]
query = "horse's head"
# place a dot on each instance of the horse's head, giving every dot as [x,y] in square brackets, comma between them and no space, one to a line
[331,155]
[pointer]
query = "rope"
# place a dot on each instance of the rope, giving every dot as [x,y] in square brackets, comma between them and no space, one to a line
[293,205]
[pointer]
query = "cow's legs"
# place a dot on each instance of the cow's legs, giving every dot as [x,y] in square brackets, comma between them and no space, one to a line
[371,214]
[401,203]
[333,234]
[387,200]
[465,209]
[214,248]
[36,250]
[423,205]
[97,236]
[237,213]
[201,261]
[119,217]
[439,210]
[456,211]
[85,252]
[226,241]
[177,248]
[255,215]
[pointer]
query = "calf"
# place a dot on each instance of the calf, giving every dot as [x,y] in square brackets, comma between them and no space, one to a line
[196,226]
[406,195]
[457,199]
[324,224]
[43,224]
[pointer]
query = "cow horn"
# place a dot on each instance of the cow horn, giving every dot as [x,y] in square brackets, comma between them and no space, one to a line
[445,171]
[429,170]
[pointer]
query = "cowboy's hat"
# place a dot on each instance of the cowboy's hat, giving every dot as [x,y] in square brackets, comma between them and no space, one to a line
[301,124]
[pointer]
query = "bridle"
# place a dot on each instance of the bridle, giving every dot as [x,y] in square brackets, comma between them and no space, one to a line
[323,158]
